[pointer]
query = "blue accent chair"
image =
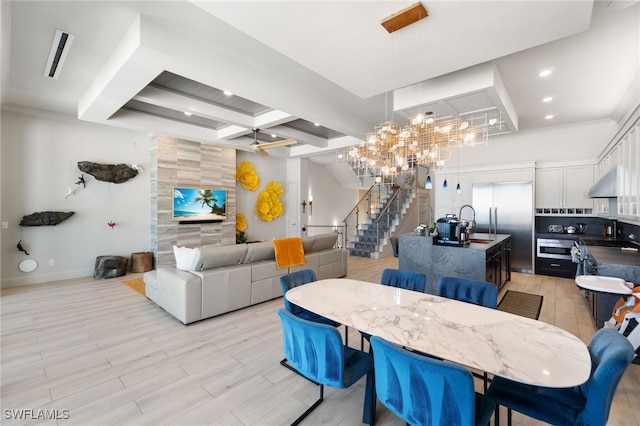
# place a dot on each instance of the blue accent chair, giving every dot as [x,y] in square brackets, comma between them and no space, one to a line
[471,291]
[407,280]
[426,391]
[317,352]
[587,404]
[295,279]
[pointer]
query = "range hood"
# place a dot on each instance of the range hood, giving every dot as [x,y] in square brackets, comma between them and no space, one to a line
[606,187]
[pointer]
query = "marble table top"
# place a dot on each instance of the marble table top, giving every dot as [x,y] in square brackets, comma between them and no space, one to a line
[499,343]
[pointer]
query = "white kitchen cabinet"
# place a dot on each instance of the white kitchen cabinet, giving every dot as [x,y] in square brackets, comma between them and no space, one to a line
[563,189]
[629,175]
[610,161]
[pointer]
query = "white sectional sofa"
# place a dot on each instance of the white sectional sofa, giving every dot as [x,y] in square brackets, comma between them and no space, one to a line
[220,279]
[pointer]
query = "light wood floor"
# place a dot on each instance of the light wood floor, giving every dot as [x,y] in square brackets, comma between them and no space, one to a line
[111,357]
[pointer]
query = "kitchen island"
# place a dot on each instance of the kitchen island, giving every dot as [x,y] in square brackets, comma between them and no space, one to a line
[607,258]
[485,258]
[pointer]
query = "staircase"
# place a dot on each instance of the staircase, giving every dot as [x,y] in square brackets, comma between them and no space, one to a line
[383,218]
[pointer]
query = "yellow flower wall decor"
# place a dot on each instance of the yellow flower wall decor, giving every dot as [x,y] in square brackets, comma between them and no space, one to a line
[247,176]
[269,206]
[241,226]
[241,222]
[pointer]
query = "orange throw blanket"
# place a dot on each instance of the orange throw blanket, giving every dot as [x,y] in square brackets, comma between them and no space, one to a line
[289,252]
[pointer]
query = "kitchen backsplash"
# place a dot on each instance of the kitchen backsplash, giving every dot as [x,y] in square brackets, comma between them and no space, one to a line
[594,225]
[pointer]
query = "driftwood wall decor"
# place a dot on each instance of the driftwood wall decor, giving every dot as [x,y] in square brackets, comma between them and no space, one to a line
[115,173]
[47,218]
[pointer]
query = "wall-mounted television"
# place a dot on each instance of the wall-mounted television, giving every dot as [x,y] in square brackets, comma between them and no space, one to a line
[199,205]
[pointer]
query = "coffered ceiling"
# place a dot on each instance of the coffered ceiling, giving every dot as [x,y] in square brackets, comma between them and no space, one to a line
[321,72]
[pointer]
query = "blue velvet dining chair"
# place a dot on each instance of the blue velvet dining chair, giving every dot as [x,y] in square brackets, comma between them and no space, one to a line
[407,280]
[588,404]
[471,291]
[426,391]
[295,279]
[317,352]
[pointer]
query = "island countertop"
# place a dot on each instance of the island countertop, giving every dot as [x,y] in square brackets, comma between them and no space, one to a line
[419,254]
[484,241]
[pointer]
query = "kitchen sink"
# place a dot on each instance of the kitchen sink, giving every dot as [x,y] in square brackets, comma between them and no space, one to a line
[480,241]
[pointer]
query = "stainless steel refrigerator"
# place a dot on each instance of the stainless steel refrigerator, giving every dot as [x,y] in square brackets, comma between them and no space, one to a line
[508,207]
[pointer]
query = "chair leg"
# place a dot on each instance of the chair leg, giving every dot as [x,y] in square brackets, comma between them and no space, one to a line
[496,416]
[310,409]
[370,400]
[346,335]
[509,416]
[286,364]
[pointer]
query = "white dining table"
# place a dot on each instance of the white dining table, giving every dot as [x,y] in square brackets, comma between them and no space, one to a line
[499,343]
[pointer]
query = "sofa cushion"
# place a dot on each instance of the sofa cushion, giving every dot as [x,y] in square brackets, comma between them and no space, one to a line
[259,251]
[307,243]
[324,241]
[208,257]
[185,258]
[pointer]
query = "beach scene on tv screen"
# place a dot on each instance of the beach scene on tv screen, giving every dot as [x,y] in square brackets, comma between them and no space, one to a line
[199,204]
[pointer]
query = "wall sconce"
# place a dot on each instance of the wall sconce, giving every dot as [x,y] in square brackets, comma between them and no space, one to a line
[304,206]
[310,206]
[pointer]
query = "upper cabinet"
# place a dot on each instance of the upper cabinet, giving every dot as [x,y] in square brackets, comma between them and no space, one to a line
[629,175]
[602,206]
[563,189]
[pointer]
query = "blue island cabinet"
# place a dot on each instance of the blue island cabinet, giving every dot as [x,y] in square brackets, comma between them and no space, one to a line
[486,258]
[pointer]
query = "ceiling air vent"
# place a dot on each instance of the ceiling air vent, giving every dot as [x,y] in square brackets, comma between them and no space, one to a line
[59,50]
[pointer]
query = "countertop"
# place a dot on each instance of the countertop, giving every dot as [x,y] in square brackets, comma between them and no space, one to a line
[615,262]
[614,255]
[558,236]
[489,241]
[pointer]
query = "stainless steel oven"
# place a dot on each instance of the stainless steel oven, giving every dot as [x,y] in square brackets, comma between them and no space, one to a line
[553,248]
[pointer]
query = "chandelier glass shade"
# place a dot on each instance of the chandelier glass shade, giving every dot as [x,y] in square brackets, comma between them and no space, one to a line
[391,149]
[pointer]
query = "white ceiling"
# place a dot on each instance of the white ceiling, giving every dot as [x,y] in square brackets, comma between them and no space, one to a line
[314,61]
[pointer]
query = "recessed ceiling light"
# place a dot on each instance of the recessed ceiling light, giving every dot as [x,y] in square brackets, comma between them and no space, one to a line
[547,99]
[227,92]
[316,124]
[545,73]
[273,135]
[548,117]
[187,113]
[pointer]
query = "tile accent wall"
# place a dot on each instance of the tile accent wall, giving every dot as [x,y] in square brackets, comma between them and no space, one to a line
[177,162]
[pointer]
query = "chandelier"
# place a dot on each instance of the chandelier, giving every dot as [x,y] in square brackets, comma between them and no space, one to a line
[390,149]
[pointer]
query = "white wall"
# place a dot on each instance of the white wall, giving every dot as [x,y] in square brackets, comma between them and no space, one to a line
[331,202]
[581,141]
[39,164]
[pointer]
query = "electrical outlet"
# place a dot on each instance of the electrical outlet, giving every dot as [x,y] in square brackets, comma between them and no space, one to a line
[5,225]
[52,262]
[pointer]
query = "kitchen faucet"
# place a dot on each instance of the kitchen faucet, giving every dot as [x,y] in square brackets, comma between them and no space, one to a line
[472,222]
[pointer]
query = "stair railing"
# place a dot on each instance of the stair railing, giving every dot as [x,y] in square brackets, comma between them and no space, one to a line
[401,196]
[338,229]
[363,210]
